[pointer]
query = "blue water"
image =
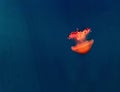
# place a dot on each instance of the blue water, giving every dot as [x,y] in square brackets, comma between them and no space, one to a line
[35,54]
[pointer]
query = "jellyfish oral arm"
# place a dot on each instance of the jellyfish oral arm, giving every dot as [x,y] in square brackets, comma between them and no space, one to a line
[79,36]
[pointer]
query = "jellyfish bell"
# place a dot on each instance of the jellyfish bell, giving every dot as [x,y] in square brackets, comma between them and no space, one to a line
[83,45]
[83,48]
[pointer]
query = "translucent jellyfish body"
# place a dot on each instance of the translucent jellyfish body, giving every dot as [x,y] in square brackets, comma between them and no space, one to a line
[83,45]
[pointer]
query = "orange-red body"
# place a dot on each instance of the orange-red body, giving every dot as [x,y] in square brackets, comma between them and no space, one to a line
[83,45]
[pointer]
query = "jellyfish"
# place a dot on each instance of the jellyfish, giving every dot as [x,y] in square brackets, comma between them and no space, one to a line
[83,45]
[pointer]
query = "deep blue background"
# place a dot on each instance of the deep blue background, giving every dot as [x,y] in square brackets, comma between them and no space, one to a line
[35,53]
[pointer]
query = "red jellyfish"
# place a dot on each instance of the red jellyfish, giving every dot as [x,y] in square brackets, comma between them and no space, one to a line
[83,45]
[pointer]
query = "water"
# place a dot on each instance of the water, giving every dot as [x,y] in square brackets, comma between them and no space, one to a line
[35,53]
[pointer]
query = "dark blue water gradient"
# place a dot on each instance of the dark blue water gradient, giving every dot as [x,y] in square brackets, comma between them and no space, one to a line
[35,52]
